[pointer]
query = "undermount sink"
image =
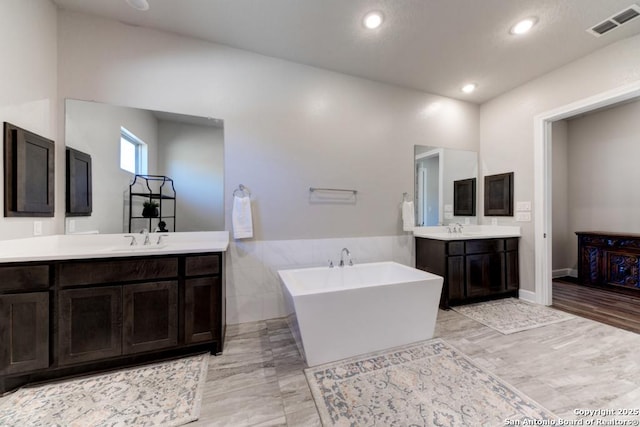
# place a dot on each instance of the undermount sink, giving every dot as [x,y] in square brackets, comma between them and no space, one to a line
[468,232]
[137,248]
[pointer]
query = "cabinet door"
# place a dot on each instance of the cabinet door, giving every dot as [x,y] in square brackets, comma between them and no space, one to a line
[485,274]
[150,316]
[202,309]
[512,273]
[90,324]
[622,268]
[24,332]
[589,265]
[455,277]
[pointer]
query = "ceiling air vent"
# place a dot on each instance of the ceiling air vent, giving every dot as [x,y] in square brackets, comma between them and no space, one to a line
[625,16]
[615,21]
[604,27]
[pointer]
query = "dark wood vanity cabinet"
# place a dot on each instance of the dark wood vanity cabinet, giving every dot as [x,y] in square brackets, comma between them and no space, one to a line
[201,310]
[24,332]
[24,318]
[609,260]
[106,313]
[473,270]
[89,324]
[150,316]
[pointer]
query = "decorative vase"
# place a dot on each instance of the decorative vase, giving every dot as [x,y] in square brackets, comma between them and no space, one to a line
[150,212]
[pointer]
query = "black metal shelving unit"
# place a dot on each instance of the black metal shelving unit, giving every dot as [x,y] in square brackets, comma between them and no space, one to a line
[157,188]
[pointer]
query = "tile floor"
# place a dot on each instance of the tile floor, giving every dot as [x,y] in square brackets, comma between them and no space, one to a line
[259,381]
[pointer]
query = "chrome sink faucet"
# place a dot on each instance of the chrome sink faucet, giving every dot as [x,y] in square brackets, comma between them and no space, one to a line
[342,252]
[455,228]
[146,236]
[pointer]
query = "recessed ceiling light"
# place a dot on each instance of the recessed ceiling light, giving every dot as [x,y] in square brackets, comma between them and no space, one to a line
[523,26]
[372,20]
[468,88]
[138,4]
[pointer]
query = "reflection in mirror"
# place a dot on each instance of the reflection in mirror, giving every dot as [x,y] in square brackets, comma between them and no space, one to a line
[124,141]
[436,169]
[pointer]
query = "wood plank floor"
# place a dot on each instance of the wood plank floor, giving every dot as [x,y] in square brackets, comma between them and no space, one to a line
[611,308]
[259,381]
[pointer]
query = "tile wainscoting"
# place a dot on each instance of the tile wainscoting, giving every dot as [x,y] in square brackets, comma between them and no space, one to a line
[253,286]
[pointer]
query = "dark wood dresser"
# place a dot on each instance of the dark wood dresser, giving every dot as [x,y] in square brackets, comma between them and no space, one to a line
[609,260]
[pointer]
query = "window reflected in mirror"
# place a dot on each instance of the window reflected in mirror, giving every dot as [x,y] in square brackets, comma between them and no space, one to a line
[125,141]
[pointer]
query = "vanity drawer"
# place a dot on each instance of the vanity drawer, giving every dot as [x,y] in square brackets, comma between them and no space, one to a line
[114,271]
[511,244]
[484,245]
[200,265]
[456,248]
[24,278]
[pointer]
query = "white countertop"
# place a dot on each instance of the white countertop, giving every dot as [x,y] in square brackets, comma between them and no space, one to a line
[83,246]
[468,232]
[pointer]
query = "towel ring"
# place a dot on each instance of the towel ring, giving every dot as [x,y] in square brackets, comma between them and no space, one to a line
[242,189]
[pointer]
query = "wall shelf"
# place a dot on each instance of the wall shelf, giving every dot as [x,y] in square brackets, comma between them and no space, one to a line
[146,188]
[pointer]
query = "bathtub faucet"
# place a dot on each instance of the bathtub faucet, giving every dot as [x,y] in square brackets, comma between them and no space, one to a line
[342,257]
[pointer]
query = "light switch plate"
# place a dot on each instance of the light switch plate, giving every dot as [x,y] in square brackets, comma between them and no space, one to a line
[466,221]
[37,228]
[72,226]
[523,216]
[494,221]
[523,206]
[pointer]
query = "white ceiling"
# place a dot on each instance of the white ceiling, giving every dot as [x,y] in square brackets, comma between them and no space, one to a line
[429,45]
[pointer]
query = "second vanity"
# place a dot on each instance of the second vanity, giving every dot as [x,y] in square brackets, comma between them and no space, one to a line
[478,263]
[71,305]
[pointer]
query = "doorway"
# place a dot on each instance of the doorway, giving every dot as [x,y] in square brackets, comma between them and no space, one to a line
[429,188]
[542,178]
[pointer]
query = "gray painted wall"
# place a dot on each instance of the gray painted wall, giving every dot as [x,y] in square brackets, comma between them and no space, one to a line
[288,127]
[594,165]
[506,128]
[603,153]
[28,92]
[193,156]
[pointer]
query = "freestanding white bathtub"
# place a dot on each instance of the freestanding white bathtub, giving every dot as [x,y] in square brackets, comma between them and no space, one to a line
[346,311]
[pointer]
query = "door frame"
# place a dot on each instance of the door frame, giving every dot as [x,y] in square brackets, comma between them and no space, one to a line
[439,153]
[543,180]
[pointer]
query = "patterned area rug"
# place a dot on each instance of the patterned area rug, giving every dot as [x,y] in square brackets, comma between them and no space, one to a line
[511,315]
[162,394]
[423,384]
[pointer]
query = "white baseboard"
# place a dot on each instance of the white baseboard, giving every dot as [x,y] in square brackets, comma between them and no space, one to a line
[527,296]
[561,272]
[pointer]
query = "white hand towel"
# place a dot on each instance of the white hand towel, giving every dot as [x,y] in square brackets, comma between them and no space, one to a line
[241,218]
[408,216]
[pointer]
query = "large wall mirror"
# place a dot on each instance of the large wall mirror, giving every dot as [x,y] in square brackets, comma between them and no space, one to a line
[437,170]
[124,141]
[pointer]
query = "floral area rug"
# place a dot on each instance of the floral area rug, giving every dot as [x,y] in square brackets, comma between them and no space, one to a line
[512,315]
[162,394]
[424,384]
